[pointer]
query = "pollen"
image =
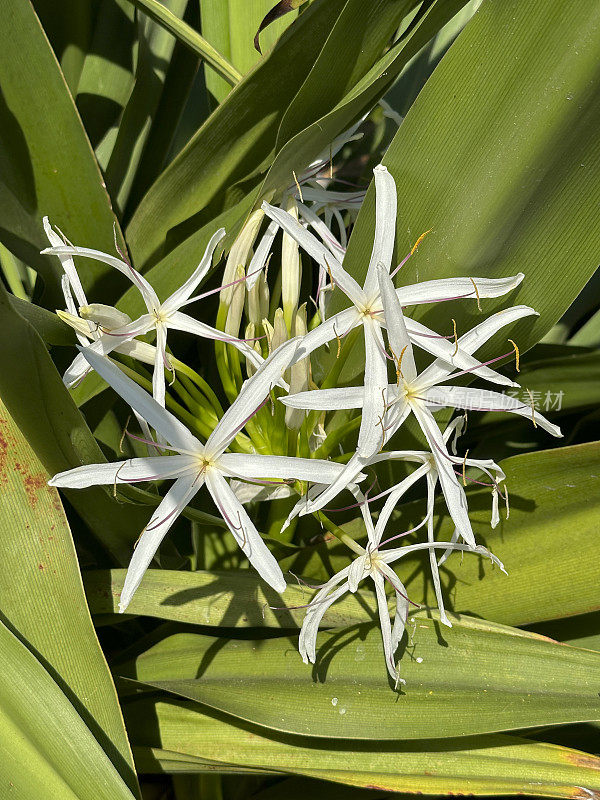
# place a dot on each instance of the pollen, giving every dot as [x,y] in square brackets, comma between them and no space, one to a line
[419,240]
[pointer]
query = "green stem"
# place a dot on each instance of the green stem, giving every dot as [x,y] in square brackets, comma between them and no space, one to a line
[336,531]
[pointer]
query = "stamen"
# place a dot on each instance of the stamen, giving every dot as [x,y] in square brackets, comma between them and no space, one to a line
[298,187]
[455,338]
[419,240]
[339,342]
[123,434]
[464,468]
[514,344]
[532,407]
[115,481]
[476,293]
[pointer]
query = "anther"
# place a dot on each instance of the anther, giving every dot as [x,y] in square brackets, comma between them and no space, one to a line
[476,293]
[298,186]
[455,338]
[464,467]
[517,354]
[123,434]
[419,240]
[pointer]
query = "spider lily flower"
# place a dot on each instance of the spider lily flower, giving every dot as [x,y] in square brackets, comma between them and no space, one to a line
[416,394]
[86,319]
[160,317]
[197,464]
[373,563]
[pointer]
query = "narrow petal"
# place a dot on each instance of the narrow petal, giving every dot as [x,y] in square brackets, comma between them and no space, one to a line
[435,573]
[158,376]
[307,643]
[455,358]
[159,418]
[326,399]
[131,471]
[261,254]
[322,231]
[147,292]
[457,288]
[185,291]
[173,503]
[335,327]
[66,262]
[252,394]
[318,251]
[398,337]
[385,228]
[85,332]
[485,400]
[141,351]
[472,340]
[371,435]
[358,570]
[453,491]
[244,531]
[394,497]
[349,475]
[386,625]
[251,466]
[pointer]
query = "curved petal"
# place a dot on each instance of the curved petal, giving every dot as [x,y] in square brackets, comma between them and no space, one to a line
[433,564]
[398,337]
[485,400]
[185,291]
[252,466]
[307,642]
[318,251]
[159,418]
[394,496]
[133,470]
[173,503]
[386,625]
[335,327]
[147,292]
[472,340]
[252,394]
[386,203]
[261,254]
[160,362]
[371,436]
[453,491]
[322,231]
[457,288]
[66,262]
[244,531]
[358,570]
[326,399]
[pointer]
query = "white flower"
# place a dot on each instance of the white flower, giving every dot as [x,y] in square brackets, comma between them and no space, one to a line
[375,564]
[160,317]
[196,464]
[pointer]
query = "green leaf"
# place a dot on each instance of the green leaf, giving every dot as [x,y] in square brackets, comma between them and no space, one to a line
[476,677]
[487,765]
[498,155]
[40,580]
[41,406]
[185,34]
[46,168]
[47,750]
[230,26]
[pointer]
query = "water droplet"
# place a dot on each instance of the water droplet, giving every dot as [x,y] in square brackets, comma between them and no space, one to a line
[342,710]
[569,96]
[334,701]
[419,660]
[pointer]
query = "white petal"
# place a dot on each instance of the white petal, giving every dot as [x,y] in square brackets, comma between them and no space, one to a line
[173,503]
[318,251]
[252,466]
[349,475]
[323,232]
[261,254]
[485,400]
[142,351]
[335,327]
[426,339]
[457,288]
[386,625]
[134,276]
[252,394]
[158,376]
[244,531]
[473,339]
[185,291]
[358,570]
[131,471]
[314,614]
[396,327]
[385,228]
[371,436]
[66,262]
[453,491]
[255,492]
[326,399]
[435,573]
[159,418]
[394,497]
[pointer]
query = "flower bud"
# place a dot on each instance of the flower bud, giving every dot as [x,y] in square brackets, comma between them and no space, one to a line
[291,270]
[236,303]
[299,374]
[240,253]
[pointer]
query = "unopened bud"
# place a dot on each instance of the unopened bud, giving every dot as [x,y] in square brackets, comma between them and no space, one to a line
[255,345]
[79,325]
[240,253]
[257,300]
[236,304]
[299,374]
[280,332]
[291,270]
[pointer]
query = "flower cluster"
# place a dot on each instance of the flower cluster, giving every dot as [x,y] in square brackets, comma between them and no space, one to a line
[283,436]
